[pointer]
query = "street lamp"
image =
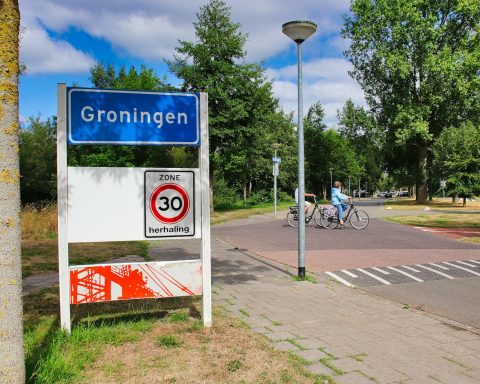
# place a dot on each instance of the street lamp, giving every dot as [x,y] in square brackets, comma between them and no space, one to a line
[276,160]
[299,31]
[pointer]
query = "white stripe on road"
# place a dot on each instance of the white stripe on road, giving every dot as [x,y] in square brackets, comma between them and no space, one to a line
[475,261]
[340,279]
[410,268]
[435,271]
[439,266]
[467,264]
[373,276]
[462,268]
[380,270]
[349,273]
[406,274]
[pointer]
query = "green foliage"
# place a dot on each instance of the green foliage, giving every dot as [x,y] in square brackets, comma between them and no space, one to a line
[418,63]
[325,149]
[457,160]
[367,138]
[38,159]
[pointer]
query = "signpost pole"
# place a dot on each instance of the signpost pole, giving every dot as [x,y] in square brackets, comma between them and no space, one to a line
[205,188]
[64,278]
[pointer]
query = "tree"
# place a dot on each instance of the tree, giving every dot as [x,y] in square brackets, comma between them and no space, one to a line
[359,127]
[417,62]
[38,160]
[325,149]
[241,105]
[457,160]
[12,368]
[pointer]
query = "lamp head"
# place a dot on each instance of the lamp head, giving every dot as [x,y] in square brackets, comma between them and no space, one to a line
[299,30]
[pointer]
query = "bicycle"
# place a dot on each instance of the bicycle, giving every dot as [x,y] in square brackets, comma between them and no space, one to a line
[292,215]
[358,219]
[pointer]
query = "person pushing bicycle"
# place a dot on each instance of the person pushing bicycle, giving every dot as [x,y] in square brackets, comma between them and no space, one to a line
[338,199]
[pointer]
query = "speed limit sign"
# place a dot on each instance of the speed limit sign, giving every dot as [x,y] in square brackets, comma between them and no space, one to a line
[169,204]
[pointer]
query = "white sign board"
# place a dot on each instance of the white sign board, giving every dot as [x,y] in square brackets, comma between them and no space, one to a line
[169,204]
[108,204]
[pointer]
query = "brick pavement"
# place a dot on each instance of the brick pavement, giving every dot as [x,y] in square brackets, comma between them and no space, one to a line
[342,332]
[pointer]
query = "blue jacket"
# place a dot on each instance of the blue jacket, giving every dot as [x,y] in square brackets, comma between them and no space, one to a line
[337,196]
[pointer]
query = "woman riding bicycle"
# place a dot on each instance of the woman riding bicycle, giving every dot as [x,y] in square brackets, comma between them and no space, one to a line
[337,200]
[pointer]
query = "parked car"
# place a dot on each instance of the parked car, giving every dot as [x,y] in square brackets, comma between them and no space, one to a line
[403,194]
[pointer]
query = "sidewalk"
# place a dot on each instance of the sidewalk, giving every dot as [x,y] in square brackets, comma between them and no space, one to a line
[343,332]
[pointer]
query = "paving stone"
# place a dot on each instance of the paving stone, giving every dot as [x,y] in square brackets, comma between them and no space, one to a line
[285,346]
[312,354]
[279,336]
[348,364]
[320,369]
[353,378]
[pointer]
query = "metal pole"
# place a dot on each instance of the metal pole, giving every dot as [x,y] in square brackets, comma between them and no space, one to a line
[359,194]
[275,185]
[62,204]
[349,193]
[301,174]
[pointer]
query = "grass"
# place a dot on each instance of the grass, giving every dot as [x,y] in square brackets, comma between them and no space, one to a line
[437,204]
[309,278]
[149,341]
[463,220]
[242,213]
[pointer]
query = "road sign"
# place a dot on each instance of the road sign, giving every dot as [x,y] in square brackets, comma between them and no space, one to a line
[169,204]
[276,160]
[103,116]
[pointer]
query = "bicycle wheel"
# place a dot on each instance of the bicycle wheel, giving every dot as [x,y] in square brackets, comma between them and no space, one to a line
[318,218]
[292,220]
[328,222]
[359,219]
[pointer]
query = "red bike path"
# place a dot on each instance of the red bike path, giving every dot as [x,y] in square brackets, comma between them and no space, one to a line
[380,244]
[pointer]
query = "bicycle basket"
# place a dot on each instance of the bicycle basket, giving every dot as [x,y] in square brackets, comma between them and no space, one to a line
[329,212]
[294,210]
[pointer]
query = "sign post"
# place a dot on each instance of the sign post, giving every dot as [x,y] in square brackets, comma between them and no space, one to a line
[155,203]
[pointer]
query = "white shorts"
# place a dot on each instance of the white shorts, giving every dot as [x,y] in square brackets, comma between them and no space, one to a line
[307,203]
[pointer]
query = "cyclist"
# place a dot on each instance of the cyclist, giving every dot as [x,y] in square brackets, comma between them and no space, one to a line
[307,203]
[337,200]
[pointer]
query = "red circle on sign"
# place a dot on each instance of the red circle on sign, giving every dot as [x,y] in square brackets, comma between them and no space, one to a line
[158,215]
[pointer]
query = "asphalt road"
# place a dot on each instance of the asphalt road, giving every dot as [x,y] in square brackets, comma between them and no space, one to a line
[425,270]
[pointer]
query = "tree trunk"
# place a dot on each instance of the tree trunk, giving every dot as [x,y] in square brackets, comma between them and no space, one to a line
[244,195]
[455,198]
[12,367]
[422,177]
[464,201]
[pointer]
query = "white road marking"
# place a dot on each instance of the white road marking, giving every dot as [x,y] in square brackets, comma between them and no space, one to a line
[467,264]
[336,277]
[439,266]
[475,261]
[462,268]
[410,268]
[373,276]
[349,273]
[380,270]
[435,271]
[406,274]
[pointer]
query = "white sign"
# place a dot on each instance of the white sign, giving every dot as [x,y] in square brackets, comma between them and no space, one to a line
[169,204]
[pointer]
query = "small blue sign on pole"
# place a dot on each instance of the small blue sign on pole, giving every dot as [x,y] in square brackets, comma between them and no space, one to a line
[103,116]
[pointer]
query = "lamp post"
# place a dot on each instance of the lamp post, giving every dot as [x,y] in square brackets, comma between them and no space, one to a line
[276,160]
[331,178]
[299,31]
[349,193]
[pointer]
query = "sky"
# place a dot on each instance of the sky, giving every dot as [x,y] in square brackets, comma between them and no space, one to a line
[62,39]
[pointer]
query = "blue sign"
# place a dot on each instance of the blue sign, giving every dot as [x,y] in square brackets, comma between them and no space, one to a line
[102,116]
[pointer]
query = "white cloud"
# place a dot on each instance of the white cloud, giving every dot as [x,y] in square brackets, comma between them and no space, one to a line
[324,80]
[150,29]
[41,54]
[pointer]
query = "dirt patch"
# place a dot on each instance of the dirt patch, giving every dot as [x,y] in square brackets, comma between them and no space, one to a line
[226,353]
